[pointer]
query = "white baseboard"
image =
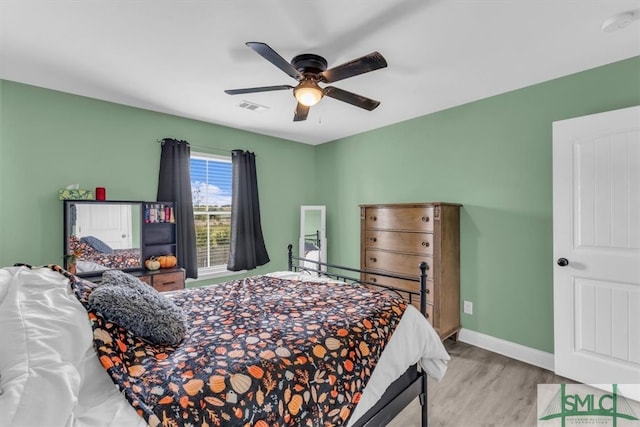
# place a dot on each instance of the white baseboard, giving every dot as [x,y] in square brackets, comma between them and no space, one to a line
[519,352]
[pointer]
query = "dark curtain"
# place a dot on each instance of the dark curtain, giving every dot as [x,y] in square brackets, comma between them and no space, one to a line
[247,249]
[174,185]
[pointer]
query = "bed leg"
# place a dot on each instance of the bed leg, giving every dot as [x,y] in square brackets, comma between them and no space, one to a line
[424,402]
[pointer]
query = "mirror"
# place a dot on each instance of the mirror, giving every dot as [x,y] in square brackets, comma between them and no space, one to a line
[313,236]
[102,235]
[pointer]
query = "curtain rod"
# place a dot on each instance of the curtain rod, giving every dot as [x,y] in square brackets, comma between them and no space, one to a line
[202,147]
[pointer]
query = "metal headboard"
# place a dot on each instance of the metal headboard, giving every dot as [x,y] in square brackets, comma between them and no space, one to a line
[338,272]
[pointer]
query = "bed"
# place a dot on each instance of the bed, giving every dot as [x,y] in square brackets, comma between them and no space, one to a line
[324,375]
[312,251]
[312,242]
[94,255]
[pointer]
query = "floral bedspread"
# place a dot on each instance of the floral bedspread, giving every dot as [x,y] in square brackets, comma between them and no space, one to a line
[260,351]
[119,258]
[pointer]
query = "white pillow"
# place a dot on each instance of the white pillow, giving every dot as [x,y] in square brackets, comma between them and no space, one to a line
[89,266]
[5,279]
[51,375]
[37,316]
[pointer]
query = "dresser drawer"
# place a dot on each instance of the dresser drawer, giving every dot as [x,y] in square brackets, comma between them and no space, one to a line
[414,300]
[168,281]
[406,264]
[419,243]
[430,314]
[399,219]
[402,284]
[416,303]
[146,279]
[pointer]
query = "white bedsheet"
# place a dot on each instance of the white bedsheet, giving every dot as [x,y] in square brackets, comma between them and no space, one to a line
[50,375]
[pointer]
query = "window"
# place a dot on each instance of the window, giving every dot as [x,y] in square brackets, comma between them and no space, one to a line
[211,193]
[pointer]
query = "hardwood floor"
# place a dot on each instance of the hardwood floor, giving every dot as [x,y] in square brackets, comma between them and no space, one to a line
[481,388]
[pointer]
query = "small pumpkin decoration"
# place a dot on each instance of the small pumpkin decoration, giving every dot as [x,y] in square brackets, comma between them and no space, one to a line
[168,261]
[152,263]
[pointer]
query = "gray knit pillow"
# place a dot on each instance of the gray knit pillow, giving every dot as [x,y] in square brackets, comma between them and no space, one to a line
[125,300]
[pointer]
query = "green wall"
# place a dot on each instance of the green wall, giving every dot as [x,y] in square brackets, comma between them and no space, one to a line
[50,139]
[494,157]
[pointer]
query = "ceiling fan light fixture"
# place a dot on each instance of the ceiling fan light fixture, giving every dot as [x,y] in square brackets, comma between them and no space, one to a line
[309,69]
[308,93]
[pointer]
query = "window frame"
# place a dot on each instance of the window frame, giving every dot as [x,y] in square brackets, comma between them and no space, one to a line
[219,270]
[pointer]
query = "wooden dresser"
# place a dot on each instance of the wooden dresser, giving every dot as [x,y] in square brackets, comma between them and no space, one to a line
[165,279]
[171,279]
[396,238]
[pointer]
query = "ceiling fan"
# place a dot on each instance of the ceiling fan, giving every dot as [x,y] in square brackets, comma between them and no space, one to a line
[310,69]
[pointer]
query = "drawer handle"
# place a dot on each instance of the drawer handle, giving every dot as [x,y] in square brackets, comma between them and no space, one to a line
[425,244]
[426,315]
[373,239]
[425,219]
[374,280]
[373,259]
[373,218]
[428,291]
[167,283]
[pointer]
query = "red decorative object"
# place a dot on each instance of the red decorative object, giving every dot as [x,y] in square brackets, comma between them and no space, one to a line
[101,193]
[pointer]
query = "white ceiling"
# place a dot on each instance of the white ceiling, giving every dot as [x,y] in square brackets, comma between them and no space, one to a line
[177,57]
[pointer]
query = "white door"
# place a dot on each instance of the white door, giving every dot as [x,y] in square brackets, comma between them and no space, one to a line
[596,242]
[110,222]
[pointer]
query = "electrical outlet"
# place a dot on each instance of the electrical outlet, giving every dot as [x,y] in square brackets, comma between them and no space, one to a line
[468,307]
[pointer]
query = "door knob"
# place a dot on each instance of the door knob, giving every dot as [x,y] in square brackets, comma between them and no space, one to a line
[563,262]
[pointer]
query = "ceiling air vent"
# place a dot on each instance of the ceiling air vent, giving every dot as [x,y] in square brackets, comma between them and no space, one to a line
[252,106]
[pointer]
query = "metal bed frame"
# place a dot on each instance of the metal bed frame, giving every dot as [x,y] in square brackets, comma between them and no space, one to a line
[314,238]
[414,381]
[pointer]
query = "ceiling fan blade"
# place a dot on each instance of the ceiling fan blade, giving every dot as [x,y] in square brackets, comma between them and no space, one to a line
[364,64]
[272,56]
[301,113]
[351,98]
[256,89]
